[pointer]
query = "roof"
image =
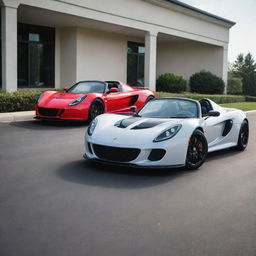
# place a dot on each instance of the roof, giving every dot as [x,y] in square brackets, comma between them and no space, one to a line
[187,6]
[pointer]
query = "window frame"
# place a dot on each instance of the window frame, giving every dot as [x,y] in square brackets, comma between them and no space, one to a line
[31,29]
[138,55]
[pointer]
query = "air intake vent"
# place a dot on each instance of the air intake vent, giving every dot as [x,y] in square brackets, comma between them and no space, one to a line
[115,154]
[51,112]
[156,154]
[227,127]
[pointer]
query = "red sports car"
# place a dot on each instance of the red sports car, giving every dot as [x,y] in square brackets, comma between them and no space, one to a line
[87,99]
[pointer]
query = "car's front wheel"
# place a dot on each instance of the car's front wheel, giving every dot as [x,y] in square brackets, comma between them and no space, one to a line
[197,150]
[243,136]
[96,109]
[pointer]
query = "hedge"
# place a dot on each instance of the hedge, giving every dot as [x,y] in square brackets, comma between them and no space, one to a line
[207,83]
[25,100]
[18,101]
[250,98]
[169,82]
[218,98]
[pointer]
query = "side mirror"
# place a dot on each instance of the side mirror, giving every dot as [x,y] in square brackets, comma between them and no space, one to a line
[113,89]
[133,109]
[65,88]
[213,113]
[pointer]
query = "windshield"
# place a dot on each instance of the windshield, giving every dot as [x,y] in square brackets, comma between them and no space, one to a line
[170,108]
[87,87]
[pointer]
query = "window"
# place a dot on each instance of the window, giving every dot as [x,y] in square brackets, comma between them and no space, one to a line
[35,56]
[135,64]
[0,49]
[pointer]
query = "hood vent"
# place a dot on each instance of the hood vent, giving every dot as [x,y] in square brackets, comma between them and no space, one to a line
[148,123]
[126,122]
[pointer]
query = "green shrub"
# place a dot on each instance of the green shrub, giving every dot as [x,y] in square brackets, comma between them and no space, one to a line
[219,99]
[250,98]
[170,83]
[207,83]
[18,101]
[235,86]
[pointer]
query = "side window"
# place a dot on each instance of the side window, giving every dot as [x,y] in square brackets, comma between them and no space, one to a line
[115,85]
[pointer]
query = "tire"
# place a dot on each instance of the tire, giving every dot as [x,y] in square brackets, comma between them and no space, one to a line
[96,108]
[197,150]
[243,136]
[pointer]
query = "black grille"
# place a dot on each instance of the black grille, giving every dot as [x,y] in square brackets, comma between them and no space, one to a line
[116,154]
[50,111]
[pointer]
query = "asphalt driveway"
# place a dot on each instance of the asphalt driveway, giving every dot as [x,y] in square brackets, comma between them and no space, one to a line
[52,202]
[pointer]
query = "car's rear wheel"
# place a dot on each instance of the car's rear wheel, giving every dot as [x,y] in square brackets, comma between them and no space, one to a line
[96,108]
[197,150]
[243,136]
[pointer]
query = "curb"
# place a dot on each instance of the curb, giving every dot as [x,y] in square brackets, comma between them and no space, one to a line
[250,111]
[17,116]
[29,115]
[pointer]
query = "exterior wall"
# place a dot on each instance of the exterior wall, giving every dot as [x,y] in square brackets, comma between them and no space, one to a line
[86,54]
[168,18]
[187,58]
[101,56]
[68,56]
[57,66]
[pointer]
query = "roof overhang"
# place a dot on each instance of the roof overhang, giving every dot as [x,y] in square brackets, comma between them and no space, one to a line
[179,6]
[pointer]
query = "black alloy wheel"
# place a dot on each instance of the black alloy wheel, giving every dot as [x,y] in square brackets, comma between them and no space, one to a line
[243,137]
[197,150]
[96,109]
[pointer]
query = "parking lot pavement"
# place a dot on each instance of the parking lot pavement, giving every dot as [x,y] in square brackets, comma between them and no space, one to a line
[52,202]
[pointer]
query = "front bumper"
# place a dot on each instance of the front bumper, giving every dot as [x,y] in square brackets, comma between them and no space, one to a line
[131,164]
[175,154]
[62,114]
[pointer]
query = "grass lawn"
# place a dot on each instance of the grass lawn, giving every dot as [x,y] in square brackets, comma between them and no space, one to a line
[245,106]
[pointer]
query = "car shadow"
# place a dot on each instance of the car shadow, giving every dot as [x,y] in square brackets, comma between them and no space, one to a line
[97,174]
[48,124]
[224,153]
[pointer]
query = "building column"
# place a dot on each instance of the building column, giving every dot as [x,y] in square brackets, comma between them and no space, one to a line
[225,67]
[9,45]
[150,60]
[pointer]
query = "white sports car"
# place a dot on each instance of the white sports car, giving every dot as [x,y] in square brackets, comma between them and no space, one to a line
[166,132]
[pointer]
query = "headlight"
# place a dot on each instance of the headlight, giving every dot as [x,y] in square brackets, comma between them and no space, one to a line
[77,101]
[92,126]
[167,134]
[39,98]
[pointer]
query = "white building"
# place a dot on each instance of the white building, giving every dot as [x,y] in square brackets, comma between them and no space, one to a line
[55,43]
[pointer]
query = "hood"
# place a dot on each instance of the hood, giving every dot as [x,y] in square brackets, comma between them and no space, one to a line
[129,131]
[58,99]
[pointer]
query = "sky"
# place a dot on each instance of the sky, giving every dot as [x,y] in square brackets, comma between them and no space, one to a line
[243,12]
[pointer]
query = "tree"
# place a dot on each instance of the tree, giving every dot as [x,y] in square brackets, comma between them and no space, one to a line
[244,67]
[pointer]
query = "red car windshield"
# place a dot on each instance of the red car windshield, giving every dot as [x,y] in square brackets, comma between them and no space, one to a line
[88,87]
